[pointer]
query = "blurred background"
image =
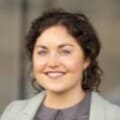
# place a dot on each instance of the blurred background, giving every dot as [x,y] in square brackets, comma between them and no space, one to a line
[15,19]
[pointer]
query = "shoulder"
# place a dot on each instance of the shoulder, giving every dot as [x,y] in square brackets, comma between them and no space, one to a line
[110,110]
[13,108]
[101,100]
[20,106]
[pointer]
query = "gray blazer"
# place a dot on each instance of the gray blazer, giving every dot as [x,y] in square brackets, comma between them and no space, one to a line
[100,109]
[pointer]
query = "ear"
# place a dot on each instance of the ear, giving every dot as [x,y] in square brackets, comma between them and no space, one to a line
[86,63]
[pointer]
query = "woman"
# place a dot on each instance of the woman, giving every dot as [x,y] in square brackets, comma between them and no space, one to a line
[63,48]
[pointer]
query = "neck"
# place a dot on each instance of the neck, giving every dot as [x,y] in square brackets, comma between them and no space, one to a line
[63,99]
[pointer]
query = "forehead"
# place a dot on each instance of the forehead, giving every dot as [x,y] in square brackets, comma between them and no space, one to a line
[56,35]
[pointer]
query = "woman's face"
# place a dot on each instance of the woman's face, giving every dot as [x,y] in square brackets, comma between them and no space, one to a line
[58,60]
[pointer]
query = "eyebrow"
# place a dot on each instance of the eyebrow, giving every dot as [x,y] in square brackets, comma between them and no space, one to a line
[60,46]
[63,45]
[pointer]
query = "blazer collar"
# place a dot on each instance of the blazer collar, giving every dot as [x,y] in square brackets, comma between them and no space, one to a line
[96,108]
[32,107]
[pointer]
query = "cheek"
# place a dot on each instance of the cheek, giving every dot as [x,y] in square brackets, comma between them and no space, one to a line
[38,64]
[75,65]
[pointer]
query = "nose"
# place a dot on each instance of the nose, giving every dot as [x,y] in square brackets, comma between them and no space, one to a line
[53,61]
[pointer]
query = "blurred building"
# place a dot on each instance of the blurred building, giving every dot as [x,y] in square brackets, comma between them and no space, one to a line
[15,19]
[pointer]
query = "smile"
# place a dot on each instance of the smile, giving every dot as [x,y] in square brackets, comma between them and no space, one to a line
[55,75]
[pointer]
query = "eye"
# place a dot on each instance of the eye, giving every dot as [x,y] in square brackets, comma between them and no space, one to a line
[42,52]
[66,52]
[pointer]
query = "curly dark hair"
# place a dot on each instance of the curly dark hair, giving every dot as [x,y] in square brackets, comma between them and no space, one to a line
[77,25]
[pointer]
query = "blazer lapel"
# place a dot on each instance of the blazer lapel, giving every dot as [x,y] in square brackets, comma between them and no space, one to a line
[32,107]
[97,107]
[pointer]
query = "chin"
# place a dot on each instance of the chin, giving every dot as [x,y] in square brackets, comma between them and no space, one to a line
[56,89]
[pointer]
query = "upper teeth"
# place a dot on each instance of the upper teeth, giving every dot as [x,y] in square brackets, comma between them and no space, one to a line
[55,74]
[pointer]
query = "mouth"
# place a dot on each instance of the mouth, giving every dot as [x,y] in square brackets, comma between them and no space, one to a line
[55,74]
